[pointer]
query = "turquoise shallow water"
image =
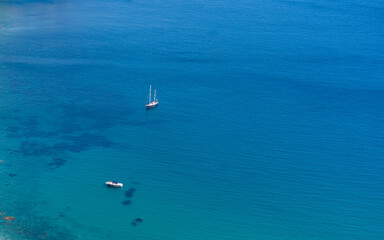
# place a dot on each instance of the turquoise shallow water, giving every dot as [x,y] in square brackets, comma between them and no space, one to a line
[270,121]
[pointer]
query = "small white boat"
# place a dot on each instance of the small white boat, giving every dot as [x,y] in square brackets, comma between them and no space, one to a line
[154,103]
[115,184]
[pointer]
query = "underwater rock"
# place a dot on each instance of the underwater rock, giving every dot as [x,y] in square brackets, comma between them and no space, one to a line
[28,148]
[81,143]
[35,227]
[9,218]
[130,192]
[2,213]
[136,221]
[12,175]
[56,163]
[128,202]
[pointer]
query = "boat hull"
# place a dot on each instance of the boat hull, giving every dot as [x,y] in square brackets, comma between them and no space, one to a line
[114,185]
[149,106]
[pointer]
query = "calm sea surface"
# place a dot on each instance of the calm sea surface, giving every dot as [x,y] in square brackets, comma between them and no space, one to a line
[270,124]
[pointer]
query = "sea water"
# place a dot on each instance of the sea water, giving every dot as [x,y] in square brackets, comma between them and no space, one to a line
[269,126]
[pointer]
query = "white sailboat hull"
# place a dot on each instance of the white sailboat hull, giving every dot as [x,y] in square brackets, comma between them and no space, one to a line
[152,105]
[114,184]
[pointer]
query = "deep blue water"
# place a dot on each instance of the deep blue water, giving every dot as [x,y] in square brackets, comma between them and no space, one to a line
[270,123]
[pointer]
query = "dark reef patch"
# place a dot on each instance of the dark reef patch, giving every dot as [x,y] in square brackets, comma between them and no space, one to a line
[12,175]
[129,193]
[32,225]
[29,148]
[127,202]
[72,130]
[136,221]
[37,228]
[56,163]
[74,144]
[82,142]
[26,128]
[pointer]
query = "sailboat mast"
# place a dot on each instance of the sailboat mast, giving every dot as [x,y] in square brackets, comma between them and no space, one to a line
[149,99]
[154,98]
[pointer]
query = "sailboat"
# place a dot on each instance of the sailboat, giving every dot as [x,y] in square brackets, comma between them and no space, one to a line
[154,103]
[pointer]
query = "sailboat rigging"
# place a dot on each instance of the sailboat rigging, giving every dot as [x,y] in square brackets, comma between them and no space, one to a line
[155,102]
